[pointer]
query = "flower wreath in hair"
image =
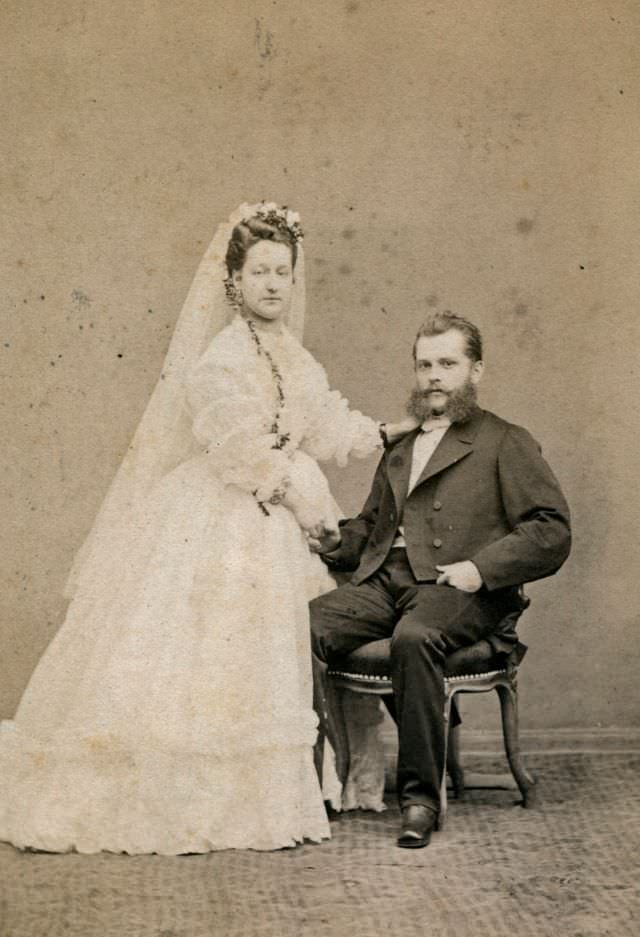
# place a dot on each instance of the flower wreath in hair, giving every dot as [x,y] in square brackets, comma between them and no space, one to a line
[278,216]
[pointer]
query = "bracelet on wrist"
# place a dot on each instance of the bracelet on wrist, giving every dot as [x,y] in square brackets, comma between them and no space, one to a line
[279,493]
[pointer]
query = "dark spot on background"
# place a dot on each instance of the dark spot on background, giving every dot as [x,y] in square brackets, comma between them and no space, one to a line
[352,7]
[384,248]
[432,300]
[521,309]
[320,261]
[365,301]
[264,41]
[524,225]
[348,233]
[345,269]
[80,298]
[581,266]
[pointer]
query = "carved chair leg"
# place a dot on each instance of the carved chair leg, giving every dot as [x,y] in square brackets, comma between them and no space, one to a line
[509,709]
[327,704]
[454,766]
[318,753]
[443,782]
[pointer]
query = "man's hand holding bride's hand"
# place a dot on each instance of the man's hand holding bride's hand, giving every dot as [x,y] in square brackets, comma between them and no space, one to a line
[323,539]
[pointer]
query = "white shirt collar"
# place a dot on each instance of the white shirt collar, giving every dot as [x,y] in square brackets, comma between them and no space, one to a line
[434,423]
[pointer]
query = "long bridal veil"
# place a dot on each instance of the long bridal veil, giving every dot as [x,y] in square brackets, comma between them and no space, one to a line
[163,437]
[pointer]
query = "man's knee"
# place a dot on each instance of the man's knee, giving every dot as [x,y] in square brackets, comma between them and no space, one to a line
[412,640]
[318,622]
[326,618]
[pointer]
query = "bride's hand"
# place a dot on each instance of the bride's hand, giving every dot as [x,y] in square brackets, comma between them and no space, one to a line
[323,539]
[306,513]
[397,430]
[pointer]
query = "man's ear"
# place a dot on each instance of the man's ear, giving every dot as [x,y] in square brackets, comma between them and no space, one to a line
[477,370]
[236,277]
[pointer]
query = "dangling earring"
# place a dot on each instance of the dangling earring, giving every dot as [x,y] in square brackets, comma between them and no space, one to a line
[234,293]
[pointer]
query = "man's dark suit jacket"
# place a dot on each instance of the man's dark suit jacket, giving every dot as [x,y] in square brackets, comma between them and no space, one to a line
[486,495]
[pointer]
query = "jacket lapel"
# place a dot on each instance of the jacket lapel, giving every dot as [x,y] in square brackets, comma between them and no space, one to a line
[456,443]
[399,467]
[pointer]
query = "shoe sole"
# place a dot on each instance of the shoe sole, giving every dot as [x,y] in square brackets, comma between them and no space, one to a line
[414,844]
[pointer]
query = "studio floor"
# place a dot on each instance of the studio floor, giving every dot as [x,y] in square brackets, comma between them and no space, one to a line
[568,868]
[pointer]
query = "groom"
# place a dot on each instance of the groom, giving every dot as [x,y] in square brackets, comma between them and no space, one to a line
[462,511]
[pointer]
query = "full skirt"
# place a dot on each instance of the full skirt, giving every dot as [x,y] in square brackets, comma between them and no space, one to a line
[172,713]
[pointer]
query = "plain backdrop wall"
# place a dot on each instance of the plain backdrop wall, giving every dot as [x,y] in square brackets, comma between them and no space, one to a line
[481,156]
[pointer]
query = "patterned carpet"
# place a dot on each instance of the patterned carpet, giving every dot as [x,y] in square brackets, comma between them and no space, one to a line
[569,868]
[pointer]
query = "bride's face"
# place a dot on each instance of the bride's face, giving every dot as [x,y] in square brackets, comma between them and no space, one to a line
[266,280]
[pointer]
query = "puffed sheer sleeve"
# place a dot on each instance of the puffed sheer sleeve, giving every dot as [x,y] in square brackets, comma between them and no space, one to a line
[232,419]
[333,430]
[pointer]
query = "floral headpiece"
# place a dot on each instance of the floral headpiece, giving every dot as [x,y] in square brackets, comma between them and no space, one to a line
[279,216]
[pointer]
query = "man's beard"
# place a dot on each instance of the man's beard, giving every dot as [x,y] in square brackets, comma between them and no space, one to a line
[458,406]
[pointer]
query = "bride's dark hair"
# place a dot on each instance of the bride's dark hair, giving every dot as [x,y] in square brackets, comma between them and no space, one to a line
[250,232]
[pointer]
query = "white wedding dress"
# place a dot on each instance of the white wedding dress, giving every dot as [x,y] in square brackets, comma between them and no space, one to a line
[172,713]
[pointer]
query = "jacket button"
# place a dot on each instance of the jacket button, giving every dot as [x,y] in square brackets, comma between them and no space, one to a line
[437,505]
[437,542]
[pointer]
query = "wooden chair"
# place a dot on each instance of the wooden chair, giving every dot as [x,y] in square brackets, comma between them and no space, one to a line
[471,670]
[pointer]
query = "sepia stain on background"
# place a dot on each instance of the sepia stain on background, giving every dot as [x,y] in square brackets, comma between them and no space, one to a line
[480,157]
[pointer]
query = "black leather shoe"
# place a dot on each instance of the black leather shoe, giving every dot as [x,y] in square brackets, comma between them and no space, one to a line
[418,822]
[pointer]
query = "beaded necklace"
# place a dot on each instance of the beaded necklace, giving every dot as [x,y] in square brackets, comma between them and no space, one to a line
[281,438]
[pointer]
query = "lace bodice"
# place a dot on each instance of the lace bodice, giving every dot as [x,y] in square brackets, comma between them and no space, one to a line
[234,402]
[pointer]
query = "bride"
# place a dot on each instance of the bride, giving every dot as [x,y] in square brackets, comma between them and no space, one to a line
[172,712]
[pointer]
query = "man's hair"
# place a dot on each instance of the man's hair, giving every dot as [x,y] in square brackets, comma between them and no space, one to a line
[441,322]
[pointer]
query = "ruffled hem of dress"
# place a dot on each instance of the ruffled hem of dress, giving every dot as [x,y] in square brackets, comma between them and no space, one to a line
[168,803]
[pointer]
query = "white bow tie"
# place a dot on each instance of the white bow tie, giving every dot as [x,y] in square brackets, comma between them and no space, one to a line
[436,423]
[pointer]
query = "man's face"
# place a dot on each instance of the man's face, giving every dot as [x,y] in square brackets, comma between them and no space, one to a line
[443,367]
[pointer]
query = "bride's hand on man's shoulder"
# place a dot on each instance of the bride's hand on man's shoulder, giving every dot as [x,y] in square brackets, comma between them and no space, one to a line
[397,430]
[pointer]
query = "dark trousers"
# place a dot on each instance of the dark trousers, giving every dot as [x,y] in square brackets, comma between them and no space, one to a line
[393,604]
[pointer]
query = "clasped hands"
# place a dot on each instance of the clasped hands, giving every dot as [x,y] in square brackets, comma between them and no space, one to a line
[323,539]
